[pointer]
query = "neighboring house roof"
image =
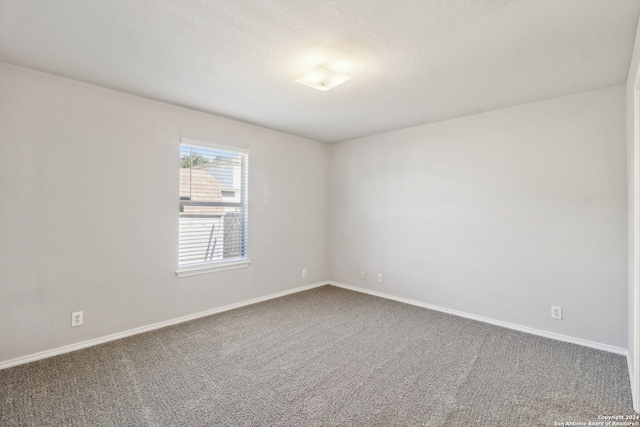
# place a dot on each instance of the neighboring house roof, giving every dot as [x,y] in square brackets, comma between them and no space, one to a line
[198,186]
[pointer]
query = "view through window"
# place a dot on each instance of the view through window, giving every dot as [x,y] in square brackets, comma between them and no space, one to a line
[213,205]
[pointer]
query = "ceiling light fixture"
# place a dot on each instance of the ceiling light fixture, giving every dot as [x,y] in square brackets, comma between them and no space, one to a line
[323,78]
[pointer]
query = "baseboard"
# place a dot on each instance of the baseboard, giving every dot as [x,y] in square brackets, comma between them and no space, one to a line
[89,343]
[84,344]
[533,331]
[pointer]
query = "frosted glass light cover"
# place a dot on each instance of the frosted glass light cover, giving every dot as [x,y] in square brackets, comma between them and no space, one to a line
[323,78]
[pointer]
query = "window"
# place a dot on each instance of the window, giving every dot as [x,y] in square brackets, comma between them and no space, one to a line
[213,208]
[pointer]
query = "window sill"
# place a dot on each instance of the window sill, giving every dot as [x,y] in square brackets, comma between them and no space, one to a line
[193,270]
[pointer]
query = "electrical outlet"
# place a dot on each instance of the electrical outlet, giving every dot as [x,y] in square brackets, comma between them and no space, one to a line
[379,277]
[556,312]
[363,275]
[77,318]
[304,272]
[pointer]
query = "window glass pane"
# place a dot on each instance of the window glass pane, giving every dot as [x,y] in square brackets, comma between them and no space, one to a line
[213,205]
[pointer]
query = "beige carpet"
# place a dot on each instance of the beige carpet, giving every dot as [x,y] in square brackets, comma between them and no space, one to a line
[324,357]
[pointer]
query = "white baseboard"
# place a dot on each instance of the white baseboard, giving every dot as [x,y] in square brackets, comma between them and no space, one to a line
[533,331]
[73,347]
[84,344]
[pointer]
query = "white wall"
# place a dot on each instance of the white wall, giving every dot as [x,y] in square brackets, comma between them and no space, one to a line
[89,212]
[500,214]
[633,164]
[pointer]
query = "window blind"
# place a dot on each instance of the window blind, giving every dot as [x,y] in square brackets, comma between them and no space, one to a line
[213,205]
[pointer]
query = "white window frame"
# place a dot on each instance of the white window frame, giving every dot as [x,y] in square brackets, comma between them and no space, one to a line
[214,266]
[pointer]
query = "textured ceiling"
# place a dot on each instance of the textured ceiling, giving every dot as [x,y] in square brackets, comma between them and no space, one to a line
[418,61]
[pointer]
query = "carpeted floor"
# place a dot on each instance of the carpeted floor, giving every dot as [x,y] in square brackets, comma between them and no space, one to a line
[324,357]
